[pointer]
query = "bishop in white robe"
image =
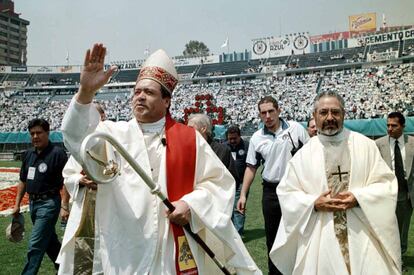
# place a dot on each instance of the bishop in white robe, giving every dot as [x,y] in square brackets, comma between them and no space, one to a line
[135,235]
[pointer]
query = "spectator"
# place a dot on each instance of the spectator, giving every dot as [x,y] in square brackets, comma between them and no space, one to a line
[238,147]
[272,145]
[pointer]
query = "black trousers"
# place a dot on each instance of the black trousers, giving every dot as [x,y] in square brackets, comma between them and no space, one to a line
[272,215]
[404,211]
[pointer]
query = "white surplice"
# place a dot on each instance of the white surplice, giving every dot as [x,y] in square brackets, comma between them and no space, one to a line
[72,175]
[306,241]
[134,234]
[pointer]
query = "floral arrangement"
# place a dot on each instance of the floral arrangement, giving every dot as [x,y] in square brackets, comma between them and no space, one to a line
[205,103]
[9,179]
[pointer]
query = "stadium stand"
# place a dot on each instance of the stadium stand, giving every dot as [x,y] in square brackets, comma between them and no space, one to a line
[371,89]
[369,93]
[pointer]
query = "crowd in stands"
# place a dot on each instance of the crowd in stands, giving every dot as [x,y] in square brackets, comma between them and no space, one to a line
[408,51]
[368,93]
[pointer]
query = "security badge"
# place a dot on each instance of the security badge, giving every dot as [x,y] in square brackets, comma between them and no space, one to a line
[31,173]
[32,170]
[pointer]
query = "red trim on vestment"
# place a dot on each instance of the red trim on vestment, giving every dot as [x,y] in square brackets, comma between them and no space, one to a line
[181,159]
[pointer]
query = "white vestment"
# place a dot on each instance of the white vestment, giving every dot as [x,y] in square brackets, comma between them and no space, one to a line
[306,241]
[72,175]
[134,235]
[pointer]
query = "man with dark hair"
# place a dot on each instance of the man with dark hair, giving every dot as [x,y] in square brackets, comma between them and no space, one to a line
[137,235]
[238,148]
[274,146]
[338,202]
[41,177]
[397,150]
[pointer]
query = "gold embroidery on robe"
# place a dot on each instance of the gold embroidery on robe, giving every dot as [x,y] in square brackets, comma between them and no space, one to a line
[338,162]
[85,236]
[185,259]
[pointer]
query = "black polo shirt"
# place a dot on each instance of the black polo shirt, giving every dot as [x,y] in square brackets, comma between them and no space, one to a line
[239,153]
[42,172]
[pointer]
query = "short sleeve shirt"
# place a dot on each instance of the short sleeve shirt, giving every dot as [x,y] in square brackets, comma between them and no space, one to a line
[42,172]
[274,149]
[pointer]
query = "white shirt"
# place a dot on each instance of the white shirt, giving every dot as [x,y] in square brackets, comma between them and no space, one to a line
[274,148]
[401,144]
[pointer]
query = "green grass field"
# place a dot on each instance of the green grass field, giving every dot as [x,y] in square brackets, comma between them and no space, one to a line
[12,256]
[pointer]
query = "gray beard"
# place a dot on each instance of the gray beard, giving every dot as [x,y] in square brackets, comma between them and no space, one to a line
[329,132]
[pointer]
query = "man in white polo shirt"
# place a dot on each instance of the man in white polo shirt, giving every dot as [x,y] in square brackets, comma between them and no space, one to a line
[274,146]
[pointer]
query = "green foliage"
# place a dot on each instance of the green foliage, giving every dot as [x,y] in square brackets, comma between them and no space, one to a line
[254,234]
[194,47]
[13,255]
[11,163]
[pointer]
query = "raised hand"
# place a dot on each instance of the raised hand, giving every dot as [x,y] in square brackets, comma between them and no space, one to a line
[93,76]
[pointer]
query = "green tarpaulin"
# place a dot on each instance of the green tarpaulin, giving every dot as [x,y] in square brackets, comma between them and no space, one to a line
[368,127]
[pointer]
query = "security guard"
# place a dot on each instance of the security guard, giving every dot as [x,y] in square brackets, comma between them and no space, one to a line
[41,177]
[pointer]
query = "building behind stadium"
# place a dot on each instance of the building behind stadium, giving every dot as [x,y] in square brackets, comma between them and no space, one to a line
[13,35]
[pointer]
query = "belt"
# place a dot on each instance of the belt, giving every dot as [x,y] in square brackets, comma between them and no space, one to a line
[269,185]
[43,196]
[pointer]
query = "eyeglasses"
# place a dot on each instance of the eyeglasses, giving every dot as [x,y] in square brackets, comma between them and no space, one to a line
[325,112]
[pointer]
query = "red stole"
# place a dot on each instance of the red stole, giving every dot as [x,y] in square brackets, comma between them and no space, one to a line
[181,159]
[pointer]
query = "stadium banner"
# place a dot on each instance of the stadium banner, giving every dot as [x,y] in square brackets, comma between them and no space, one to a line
[389,37]
[211,59]
[65,92]
[34,93]
[69,69]
[40,69]
[381,38]
[125,65]
[13,83]
[362,23]
[45,69]
[316,39]
[196,60]
[185,76]
[280,46]
[384,56]
[55,69]
[20,69]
